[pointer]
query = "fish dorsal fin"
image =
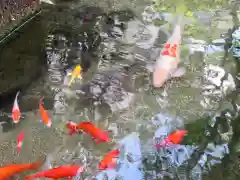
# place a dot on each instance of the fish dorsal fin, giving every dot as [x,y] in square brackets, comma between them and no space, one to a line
[86,123]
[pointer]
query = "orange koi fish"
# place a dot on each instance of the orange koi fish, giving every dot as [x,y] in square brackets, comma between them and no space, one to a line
[57,173]
[109,160]
[97,134]
[167,63]
[10,170]
[76,73]
[20,141]
[72,127]
[16,114]
[44,115]
[174,138]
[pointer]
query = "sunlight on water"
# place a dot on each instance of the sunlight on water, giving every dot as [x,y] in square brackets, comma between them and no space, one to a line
[122,100]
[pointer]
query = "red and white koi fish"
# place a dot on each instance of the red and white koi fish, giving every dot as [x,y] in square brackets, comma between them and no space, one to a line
[109,160]
[57,173]
[16,114]
[72,127]
[167,63]
[10,170]
[97,134]
[44,115]
[20,141]
[174,138]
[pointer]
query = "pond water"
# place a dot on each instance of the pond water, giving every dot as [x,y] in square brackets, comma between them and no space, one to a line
[122,100]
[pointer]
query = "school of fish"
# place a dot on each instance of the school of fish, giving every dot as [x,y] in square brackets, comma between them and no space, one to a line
[166,67]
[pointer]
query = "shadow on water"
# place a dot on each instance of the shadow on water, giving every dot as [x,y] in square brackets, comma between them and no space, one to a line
[115,50]
[22,62]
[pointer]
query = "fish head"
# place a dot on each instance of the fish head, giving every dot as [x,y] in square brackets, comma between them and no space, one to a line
[41,104]
[49,123]
[177,137]
[116,152]
[102,136]
[102,165]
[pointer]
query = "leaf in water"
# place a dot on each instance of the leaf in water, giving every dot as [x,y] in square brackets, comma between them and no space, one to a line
[189,14]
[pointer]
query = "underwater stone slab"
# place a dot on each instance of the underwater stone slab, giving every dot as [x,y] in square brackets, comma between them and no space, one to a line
[12,12]
[21,58]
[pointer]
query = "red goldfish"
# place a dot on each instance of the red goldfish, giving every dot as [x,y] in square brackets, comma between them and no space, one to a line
[10,170]
[20,141]
[174,138]
[44,115]
[97,134]
[58,172]
[167,63]
[72,127]
[109,160]
[16,114]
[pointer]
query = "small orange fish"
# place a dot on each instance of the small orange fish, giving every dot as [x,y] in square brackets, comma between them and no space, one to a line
[97,134]
[174,138]
[16,114]
[20,141]
[177,137]
[76,73]
[44,115]
[109,160]
[72,127]
[10,170]
[57,173]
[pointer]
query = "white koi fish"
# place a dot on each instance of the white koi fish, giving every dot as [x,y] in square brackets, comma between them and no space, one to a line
[167,63]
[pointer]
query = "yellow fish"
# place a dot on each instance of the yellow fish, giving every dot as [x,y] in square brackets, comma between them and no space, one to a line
[76,73]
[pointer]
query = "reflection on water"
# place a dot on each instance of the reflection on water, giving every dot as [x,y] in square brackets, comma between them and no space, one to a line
[116,52]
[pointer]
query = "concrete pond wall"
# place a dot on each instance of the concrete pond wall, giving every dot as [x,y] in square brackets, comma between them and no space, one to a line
[21,53]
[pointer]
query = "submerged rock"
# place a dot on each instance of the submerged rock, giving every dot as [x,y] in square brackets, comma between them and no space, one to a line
[113,87]
[217,83]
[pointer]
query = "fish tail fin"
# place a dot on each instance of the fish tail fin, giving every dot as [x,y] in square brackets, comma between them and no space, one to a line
[41,100]
[49,123]
[18,149]
[17,93]
[71,81]
[179,18]
[180,21]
